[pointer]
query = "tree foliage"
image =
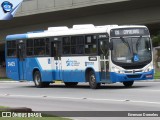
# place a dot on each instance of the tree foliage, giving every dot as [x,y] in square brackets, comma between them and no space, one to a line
[156,40]
[155,43]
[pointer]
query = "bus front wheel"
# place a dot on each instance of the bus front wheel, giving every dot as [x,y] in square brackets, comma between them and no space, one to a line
[128,83]
[38,81]
[92,81]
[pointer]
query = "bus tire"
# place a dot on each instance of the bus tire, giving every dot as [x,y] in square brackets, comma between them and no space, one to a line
[92,81]
[71,84]
[128,83]
[38,80]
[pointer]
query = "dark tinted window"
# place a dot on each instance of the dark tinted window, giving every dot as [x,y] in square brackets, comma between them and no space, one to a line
[38,47]
[73,45]
[90,44]
[66,45]
[30,47]
[11,49]
[80,44]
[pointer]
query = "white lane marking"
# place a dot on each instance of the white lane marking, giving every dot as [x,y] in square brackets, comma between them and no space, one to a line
[134,101]
[147,90]
[43,96]
[73,98]
[9,81]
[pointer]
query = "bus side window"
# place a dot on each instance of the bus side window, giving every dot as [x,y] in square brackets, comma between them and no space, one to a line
[80,45]
[14,53]
[66,45]
[40,47]
[30,47]
[90,44]
[11,49]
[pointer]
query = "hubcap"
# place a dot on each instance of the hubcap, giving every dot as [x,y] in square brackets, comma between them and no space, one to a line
[92,79]
[37,79]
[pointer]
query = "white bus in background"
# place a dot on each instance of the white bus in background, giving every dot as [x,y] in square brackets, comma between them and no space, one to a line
[84,53]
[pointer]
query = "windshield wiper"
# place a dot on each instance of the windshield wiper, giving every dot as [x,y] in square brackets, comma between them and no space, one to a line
[137,43]
[126,43]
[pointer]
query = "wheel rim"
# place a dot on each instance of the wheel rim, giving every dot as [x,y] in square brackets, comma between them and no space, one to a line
[92,80]
[37,79]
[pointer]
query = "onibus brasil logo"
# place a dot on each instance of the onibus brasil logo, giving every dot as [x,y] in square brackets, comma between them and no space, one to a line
[7,6]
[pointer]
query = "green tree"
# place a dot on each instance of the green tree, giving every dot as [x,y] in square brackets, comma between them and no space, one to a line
[156,40]
[155,43]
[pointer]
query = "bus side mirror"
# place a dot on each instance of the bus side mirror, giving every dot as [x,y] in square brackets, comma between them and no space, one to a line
[111,45]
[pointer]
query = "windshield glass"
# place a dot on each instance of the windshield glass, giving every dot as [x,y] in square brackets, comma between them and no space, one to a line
[131,50]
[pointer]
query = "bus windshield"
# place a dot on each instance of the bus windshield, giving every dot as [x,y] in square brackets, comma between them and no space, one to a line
[131,50]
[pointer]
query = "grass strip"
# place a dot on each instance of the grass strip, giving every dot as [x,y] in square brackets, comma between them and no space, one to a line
[157,75]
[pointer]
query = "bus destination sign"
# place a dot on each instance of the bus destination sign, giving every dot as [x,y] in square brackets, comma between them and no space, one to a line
[129,32]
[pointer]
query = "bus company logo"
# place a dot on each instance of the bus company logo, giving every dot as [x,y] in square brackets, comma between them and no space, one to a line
[6,114]
[72,63]
[69,62]
[21,115]
[6,6]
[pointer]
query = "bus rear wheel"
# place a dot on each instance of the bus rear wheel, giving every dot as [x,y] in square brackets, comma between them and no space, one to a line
[71,84]
[38,81]
[128,83]
[92,81]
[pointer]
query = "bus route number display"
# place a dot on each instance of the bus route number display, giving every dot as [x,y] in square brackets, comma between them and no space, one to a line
[129,32]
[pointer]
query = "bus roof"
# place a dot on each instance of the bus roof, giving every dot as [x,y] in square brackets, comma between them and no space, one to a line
[64,31]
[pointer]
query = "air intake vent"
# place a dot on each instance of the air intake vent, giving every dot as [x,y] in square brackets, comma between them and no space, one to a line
[134,76]
[133,67]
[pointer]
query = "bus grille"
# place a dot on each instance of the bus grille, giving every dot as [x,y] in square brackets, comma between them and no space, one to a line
[133,67]
[134,76]
[131,71]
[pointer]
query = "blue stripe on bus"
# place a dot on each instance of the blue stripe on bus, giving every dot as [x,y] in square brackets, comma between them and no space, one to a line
[16,37]
[66,75]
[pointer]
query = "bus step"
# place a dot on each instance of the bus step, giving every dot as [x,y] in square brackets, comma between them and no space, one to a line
[58,81]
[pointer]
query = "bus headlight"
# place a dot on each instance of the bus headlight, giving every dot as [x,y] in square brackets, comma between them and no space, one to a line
[149,68]
[117,70]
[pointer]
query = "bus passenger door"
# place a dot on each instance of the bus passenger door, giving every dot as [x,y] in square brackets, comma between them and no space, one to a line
[104,59]
[56,53]
[21,57]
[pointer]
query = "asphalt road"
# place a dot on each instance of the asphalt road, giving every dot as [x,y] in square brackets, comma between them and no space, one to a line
[143,96]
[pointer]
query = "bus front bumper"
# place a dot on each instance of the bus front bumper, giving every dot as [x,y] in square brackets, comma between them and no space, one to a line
[116,77]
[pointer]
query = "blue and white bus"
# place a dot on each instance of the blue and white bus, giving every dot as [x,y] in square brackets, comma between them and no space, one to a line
[84,53]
